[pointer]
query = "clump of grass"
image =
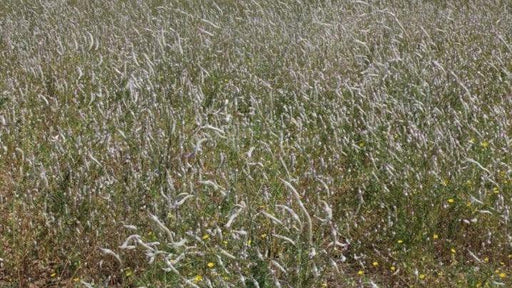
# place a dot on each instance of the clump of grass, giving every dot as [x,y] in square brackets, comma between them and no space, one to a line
[258,144]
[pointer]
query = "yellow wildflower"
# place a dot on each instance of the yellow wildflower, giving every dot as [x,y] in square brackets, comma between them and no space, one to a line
[435,236]
[211,264]
[206,237]
[198,278]
[375,264]
[360,272]
[422,276]
[451,200]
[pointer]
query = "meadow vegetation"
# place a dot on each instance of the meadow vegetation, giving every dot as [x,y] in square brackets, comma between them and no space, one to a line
[255,143]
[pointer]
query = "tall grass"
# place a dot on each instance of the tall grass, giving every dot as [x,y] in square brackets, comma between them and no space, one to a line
[255,143]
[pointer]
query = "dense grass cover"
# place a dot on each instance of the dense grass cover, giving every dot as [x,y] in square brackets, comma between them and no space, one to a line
[255,143]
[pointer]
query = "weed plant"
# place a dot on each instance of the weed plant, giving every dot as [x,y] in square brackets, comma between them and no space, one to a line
[255,143]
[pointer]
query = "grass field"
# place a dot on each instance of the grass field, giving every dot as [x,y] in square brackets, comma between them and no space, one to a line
[255,143]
